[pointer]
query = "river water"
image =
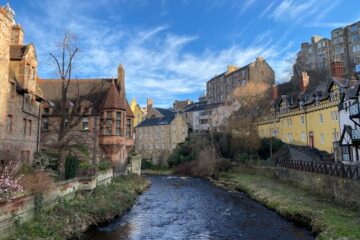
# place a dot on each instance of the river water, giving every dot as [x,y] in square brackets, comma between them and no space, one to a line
[193,208]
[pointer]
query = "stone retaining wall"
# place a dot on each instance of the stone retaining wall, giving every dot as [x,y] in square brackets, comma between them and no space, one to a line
[341,189]
[21,208]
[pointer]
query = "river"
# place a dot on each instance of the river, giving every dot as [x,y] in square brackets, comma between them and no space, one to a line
[193,208]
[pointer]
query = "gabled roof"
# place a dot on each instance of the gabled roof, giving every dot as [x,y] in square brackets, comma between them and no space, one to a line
[93,90]
[156,121]
[166,112]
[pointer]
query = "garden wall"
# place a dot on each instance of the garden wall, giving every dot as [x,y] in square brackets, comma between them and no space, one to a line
[21,208]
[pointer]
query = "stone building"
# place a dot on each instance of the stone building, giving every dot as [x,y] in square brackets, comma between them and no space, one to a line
[20,96]
[220,88]
[315,55]
[180,105]
[346,47]
[104,120]
[157,137]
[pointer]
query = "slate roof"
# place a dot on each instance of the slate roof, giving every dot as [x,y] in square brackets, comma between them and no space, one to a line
[200,106]
[156,121]
[166,112]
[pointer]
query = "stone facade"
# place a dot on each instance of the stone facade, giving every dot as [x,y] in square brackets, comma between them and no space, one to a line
[156,137]
[220,88]
[20,96]
[104,123]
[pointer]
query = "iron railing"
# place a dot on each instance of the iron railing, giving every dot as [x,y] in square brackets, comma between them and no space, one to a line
[333,169]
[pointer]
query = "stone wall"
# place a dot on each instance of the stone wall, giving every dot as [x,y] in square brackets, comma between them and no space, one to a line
[341,189]
[134,167]
[22,207]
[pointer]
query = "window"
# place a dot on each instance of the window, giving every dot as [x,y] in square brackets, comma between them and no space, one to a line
[108,123]
[356,48]
[66,123]
[302,120]
[45,123]
[118,123]
[321,118]
[25,124]
[46,110]
[30,127]
[85,123]
[322,138]
[290,137]
[289,122]
[303,137]
[9,124]
[128,128]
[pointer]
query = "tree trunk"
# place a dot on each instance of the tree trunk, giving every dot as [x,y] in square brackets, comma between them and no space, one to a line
[62,159]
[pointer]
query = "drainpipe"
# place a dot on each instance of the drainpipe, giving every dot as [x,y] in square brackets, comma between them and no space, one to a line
[39,129]
[94,140]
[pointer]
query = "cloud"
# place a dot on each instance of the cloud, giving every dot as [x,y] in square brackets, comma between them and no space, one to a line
[300,11]
[247,5]
[157,61]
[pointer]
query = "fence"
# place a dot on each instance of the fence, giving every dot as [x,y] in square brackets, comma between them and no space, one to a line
[332,169]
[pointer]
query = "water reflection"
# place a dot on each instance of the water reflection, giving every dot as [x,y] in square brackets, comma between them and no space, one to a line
[191,208]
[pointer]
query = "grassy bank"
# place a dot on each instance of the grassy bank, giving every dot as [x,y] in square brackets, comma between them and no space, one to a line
[71,218]
[328,219]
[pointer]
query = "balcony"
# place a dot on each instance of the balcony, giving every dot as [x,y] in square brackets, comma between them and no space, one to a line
[354,110]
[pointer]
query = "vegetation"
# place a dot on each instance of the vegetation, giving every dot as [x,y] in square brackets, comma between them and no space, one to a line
[71,167]
[329,220]
[71,218]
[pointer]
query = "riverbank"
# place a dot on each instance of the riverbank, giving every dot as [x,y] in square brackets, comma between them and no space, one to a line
[71,218]
[160,171]
[326,218]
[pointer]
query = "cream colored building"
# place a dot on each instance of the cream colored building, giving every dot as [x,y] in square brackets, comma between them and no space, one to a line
[157,137]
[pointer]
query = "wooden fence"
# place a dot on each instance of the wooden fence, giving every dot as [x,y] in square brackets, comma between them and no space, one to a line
[332,169]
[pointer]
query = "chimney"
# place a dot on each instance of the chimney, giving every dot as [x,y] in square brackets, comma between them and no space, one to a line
[17,35]
[274,92]
[231,68]
[304,82]
[149,104]
[337,69]
[121,81]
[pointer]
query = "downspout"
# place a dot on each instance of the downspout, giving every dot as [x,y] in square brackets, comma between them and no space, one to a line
[38,131]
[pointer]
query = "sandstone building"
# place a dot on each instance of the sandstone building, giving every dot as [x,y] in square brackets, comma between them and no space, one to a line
[346,47]
[315,55]
[158,135]
[104,123]
[139,115]
[220,88]
[20,96]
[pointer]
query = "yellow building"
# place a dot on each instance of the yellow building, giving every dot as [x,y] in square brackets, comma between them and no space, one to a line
[307,119]
[138,113]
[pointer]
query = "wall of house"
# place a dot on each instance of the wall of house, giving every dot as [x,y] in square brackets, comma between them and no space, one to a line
[22,206]
[5,38]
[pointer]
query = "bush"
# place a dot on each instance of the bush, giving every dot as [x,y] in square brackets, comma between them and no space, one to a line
[85,165]
[242,158]
[71,166]
[266,144]
[104,165]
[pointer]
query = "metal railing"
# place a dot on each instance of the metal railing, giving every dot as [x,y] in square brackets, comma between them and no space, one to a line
[332,169]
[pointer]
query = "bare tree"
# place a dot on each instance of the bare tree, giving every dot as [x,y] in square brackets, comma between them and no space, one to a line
[67,109]
[254,101]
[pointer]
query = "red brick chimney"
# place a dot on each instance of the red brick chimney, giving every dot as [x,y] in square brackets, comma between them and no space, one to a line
[304,82]
[337,69]
[274,92]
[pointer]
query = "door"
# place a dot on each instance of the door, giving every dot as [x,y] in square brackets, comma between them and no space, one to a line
[311,139]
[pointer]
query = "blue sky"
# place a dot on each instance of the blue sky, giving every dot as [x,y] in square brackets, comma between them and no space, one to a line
[170,48]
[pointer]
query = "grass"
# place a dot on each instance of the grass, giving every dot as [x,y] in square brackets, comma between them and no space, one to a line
[327,218]
[71,218]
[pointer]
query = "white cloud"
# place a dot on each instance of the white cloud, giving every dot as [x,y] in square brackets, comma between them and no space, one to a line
[156,60]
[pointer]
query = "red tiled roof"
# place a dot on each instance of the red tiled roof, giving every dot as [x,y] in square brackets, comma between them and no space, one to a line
[112,99]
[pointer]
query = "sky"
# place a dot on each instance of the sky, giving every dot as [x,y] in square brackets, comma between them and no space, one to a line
[170,48]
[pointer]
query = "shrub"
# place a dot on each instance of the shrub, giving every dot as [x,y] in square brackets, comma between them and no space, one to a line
[146,164]
[242,158]
[104,165]
[71,166]
[266,144]
[85,165]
